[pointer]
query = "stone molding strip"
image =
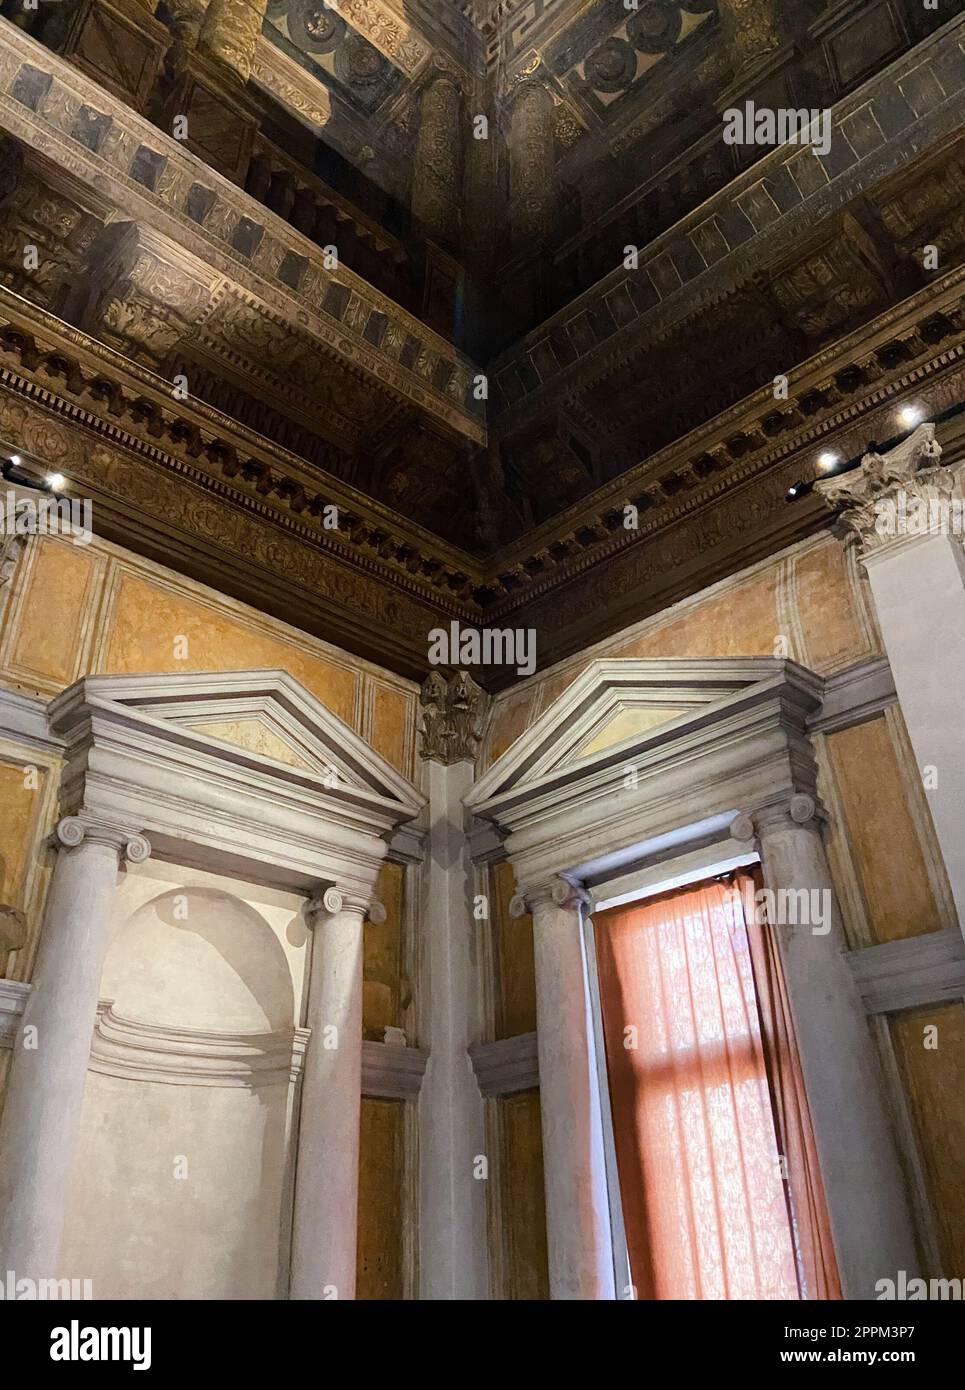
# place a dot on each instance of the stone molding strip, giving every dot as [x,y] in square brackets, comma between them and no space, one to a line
[392,1073]
[502,1068]
[136,1051]
[924,969]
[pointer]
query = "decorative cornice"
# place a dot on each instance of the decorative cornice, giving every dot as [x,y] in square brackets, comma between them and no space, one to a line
[390,1072]
[193,1057]
[13,1000]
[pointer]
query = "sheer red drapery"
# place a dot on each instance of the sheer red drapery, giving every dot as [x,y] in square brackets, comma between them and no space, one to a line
[718,1172]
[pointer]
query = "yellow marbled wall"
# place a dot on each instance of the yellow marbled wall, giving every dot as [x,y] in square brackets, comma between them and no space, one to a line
[526,1265]
[514,966]
[880,820]
[381,1252]
[76,611]
[809,603]
[383,987]
[930,1046]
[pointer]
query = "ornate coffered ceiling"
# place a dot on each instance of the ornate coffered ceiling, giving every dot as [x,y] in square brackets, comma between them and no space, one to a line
[472,484]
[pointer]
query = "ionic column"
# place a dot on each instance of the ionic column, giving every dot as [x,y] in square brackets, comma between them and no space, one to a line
[325,1222]
[230,33]
[532,160]
[900,509]
[870,1218]
[45,1092]
[577,1210]
[437,178]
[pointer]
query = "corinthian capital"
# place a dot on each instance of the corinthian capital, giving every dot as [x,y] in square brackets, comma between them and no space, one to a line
[452,717]
[904,492]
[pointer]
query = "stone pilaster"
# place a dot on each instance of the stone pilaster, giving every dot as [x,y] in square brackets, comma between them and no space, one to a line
[905,512]
[45,1091]
[452,1134]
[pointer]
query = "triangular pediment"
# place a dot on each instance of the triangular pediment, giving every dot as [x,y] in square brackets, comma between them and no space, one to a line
[264,718]
[618,705]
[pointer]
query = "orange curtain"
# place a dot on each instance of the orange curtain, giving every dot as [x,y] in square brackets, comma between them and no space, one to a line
[707,1210]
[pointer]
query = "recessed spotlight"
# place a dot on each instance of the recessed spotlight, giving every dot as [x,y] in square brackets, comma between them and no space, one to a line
[911,415]
[55,481]
[16,460]
[827,461]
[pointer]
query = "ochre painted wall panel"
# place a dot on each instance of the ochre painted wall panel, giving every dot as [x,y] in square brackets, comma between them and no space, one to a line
[827,607]
[934,1080]
[523,1198]
[75,611]
[382,957]
[51,611]
[741,622]
[380,1270]
[884,840]
[149,619]
[18,810]
[392,722]
[515,967]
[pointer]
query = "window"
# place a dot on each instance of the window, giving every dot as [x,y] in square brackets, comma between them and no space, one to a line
[693,1075]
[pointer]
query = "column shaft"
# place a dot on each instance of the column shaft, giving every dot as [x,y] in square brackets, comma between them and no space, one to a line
[437,178]
[577,1212]
[325,1225]
[870,1217]
[532,161]
[45,1092]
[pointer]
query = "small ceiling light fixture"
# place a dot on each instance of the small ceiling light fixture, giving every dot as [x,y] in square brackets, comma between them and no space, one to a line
[15,460]
[56,482]
[910,415]
[792,491]
[827,461]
